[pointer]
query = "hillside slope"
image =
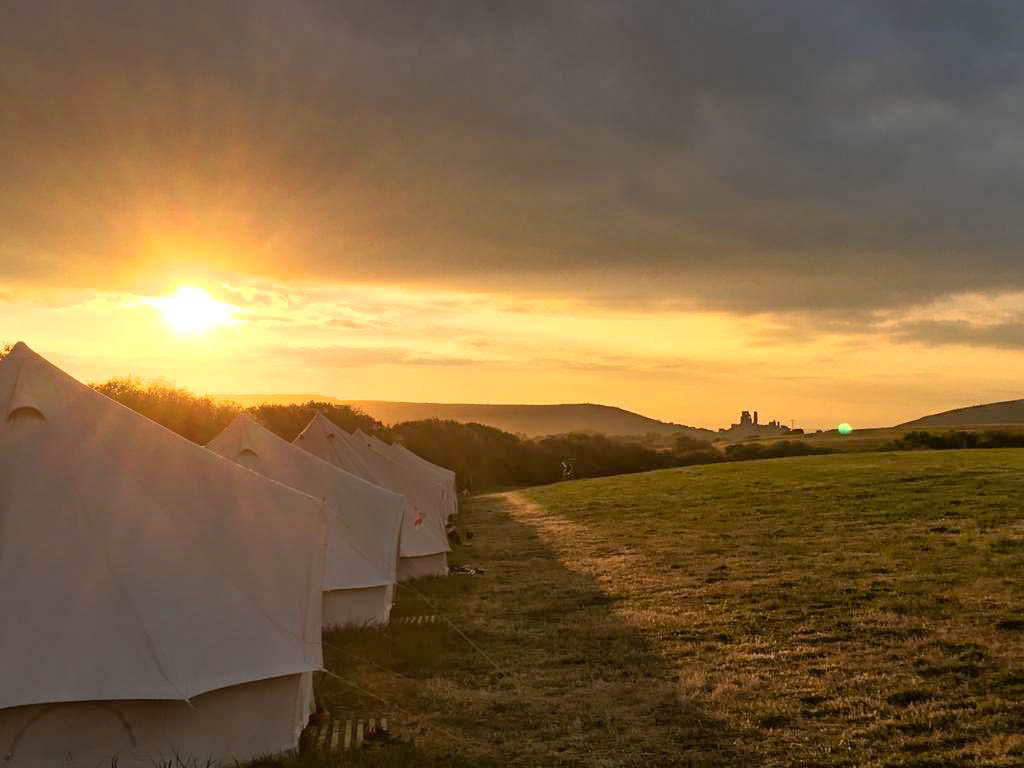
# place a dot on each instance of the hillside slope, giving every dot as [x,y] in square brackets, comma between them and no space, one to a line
[531,420]
[249,401]
[1006,412]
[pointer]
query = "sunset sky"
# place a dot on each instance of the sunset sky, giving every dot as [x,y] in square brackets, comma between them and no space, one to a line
[814,209]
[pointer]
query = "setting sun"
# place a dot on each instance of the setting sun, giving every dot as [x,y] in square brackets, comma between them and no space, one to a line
[192,310]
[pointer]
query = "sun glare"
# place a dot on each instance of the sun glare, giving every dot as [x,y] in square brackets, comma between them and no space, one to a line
[192,311]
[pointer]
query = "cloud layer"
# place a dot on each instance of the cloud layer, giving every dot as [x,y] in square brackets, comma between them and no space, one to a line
[795,155]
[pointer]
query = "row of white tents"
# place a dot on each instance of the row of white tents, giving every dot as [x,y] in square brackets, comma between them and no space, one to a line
[162,601]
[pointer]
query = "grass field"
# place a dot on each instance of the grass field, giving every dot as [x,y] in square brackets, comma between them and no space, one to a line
[841,610]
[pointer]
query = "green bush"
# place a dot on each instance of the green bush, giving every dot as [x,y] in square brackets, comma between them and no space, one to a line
[780,449]
[288,420]
[199,419]
[956,439]
[485,457]
[688,444]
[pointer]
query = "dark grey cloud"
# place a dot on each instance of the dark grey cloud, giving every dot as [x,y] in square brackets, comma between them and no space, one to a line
[861,329]
[1005,335]
[799,154]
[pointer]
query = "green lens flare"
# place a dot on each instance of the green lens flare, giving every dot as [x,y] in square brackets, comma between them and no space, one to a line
[845,429]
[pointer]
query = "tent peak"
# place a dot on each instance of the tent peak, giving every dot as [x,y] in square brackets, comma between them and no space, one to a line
[328,425]
[20,349]
[23,402]
[247,426]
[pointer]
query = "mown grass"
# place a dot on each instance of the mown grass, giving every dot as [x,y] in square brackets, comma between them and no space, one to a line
[842,610]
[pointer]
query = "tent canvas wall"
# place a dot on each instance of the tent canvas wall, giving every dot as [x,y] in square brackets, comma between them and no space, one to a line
[403,452]
[425,491]
[364,521]
[405,457]
[239,722]
[424,545]
[157,600]
[447,476]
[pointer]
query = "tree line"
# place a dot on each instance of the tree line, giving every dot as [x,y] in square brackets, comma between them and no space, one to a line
[485,457]
[482,457]
[922,439]
[200,418]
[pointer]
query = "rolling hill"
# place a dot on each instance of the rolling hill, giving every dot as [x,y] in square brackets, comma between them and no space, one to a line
[1006,412]
[530,420]
[249,401]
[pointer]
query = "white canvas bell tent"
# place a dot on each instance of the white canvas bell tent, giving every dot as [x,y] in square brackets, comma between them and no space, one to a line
[425,491]
[364,521]
[402,452]
[156,602]
[447,476]
[426,471]
[424,544]
[404,456]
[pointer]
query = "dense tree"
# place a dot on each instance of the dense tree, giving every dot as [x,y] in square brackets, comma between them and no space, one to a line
[288,420]
[480,456]
[921,439]
[776,450]
[199,419]
[686,443]
[485,457]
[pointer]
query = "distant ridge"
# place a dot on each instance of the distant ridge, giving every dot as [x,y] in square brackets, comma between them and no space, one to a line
[1006,412]
[284,399]
[531,420]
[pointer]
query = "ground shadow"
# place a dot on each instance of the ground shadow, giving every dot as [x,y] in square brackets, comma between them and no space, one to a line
[528,663]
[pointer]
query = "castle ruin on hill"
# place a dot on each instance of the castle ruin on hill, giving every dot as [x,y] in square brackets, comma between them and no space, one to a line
[749,425]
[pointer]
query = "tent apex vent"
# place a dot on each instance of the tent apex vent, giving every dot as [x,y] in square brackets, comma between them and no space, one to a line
[23,402]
